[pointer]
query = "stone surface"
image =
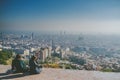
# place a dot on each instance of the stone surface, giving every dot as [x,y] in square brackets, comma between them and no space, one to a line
[59,74]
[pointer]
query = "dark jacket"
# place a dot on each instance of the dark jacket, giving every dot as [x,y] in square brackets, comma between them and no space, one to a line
[34,67]
[18,65]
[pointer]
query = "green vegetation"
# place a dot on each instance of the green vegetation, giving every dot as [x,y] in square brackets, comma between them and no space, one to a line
[55,65]
[77,60]
[52,65]
[107,70]
[70,66]
[53,62]
[5,57]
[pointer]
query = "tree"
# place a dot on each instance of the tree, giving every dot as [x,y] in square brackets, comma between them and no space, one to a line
[5,57]
[77,60]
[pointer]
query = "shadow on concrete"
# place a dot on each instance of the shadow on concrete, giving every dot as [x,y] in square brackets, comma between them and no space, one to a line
[12,76]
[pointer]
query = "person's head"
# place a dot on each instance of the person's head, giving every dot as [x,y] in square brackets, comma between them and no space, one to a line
[18,56]
[33,57]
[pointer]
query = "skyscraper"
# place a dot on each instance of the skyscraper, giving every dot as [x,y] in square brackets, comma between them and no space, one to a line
[43,54]
[1,35]
[52,44]
[32,36]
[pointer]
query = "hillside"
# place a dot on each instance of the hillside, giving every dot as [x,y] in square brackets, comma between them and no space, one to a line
[60,74]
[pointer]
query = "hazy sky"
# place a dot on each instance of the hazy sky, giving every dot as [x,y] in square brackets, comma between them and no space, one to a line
[80,16]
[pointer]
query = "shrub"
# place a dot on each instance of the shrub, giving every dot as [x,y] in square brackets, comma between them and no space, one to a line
[5,57]
[107,70]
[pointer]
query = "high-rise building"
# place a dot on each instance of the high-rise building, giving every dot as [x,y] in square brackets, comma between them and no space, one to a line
[52,44]
[43,54]
[1,35]
[32,36]
[26,52]
[49,51]
[62,53]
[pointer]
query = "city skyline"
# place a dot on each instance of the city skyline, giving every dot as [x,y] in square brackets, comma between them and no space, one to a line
[77,16]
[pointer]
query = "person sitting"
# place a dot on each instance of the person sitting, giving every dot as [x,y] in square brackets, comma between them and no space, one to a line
[18,65]
[34,66]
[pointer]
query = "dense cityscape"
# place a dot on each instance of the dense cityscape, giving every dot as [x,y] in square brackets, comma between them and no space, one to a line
[59,39]
[70,51]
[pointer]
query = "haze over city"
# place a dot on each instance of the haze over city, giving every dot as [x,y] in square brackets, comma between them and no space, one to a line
[75,16]
[70,39]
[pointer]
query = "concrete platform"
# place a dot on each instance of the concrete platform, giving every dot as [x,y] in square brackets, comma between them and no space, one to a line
[59,74]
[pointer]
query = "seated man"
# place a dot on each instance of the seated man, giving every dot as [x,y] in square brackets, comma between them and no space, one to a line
[18,65]
[34,66]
